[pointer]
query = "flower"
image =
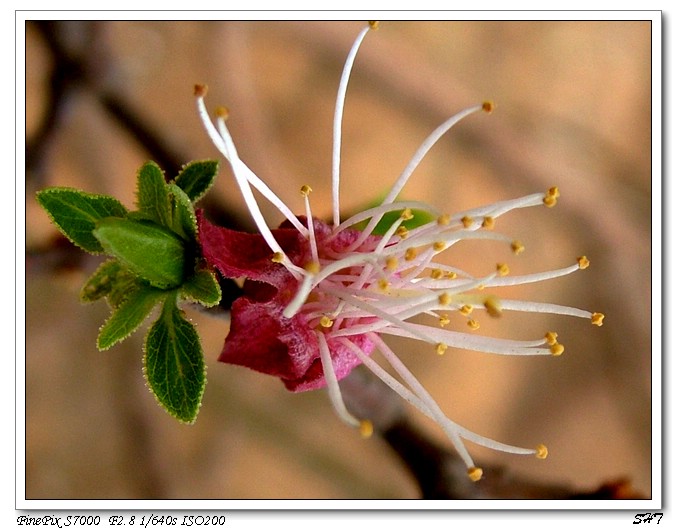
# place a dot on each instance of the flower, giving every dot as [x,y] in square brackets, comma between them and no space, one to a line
[319,297]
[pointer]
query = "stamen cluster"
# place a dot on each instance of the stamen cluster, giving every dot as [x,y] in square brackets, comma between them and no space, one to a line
[323,296]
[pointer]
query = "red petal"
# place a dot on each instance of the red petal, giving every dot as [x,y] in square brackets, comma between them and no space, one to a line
[260,338]
[239,254]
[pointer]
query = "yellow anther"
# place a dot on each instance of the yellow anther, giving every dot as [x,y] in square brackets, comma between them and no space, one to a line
[391,263]
[517,247]
[406,215]
[200,91]
[450,275]
[502,269]
[366,428]
[313,267]
[383,284]
[473,324]
[541,451]
[402,231]
[373,24]
[444,219]
[278,257]
[583,262]
[466,310]
[444,299]
[326,322]
[439,246]
[493,306]
[553,192]
[597,319]
[550,198]
[475,473]
[410,254]
[305,190]
[488,107]
[466,221]
[551,338]
[444,320]
[549,201]
[436,274]
[440,348]
[222,112]
[557,349]
[488,222]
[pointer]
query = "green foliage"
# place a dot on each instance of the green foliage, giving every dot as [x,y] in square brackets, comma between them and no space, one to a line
[76,213]
[149,250]
[183,220]
[111,280]
[174,363]
[128,316]
[202,287]
[196,178]
[152,262]
[152,194]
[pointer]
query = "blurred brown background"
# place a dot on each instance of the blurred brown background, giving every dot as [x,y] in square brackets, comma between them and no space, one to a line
[573,109]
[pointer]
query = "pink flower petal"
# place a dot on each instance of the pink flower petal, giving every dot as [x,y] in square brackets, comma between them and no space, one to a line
[260,337]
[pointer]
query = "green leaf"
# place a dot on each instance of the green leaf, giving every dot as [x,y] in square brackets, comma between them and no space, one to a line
[155,253]
[197,177]
[174,363]
[152,195]
[76,213]
[184,221]
[202,287]
[111,279]
[129,316]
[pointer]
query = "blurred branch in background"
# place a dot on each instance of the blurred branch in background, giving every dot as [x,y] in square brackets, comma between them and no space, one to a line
[81,65]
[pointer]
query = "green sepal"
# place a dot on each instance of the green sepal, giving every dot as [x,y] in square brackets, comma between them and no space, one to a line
[112,280]
[197,177]
[129,316]
[154,253]
[174,363]
[152,195]
[184,221]
[76,214]
[202,287]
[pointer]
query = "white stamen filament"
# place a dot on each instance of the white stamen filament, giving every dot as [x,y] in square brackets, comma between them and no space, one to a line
[332,383]
[469,342]
[225,144]
[338,120]
[531,278]
[423,394]
[311,229]
[305,288]
[540,307]
[382,209]
[424,148]
[413,164]
[375,311]
[247,174]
